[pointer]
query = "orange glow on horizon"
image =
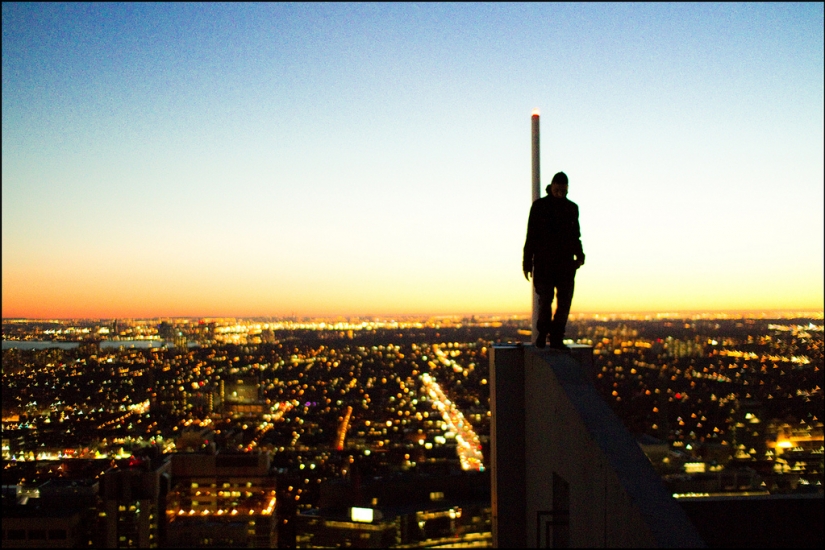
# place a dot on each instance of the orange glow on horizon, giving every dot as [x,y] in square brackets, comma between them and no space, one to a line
[148,291]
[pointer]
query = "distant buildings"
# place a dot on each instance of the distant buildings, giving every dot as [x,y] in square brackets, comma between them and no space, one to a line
[399,510]
[241,396]
[82,503]
[134,502]
[222,500]
[734,405]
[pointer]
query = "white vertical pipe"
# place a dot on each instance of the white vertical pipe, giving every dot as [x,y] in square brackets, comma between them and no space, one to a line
[536,194]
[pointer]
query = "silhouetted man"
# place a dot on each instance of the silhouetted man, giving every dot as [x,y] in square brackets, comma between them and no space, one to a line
[553,253]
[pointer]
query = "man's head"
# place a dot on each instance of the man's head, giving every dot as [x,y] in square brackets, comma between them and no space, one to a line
[558,187]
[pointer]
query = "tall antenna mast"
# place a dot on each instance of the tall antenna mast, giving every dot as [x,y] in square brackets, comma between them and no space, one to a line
[536,185]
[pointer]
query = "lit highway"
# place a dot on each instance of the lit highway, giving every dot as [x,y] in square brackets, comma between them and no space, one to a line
[468,446]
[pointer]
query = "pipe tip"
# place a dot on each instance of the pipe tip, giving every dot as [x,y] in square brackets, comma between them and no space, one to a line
[536,111]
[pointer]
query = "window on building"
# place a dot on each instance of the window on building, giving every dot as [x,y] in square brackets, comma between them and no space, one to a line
[57,534]
[37,534]
[16,534]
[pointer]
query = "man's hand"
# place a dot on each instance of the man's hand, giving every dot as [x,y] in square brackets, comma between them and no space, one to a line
[526,274]
[579,261]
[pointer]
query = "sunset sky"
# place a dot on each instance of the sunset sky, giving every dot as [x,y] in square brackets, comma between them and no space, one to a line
[374,159]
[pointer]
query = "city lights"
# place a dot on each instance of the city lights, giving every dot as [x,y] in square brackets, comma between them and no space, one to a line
[334,402]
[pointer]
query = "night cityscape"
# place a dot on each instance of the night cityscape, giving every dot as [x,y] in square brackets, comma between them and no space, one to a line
[298,424]
[413,275]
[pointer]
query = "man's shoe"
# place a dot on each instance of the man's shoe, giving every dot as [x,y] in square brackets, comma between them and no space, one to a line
[541,340]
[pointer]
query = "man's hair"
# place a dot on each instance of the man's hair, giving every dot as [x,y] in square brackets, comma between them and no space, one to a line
[560,178]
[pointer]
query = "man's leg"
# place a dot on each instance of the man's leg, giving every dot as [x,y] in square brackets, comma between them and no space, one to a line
[564,298]
[545,320]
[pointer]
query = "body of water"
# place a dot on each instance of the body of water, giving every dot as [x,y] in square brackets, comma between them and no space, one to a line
[105,344]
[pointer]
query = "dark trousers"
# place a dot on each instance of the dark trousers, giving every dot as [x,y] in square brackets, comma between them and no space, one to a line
[558,282]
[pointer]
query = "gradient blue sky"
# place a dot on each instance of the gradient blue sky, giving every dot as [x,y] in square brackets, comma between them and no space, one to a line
[325,159]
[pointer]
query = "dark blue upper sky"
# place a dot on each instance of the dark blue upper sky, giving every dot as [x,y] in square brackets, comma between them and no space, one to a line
[353,148]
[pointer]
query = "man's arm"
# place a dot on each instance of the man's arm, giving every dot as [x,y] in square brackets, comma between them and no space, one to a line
[529,244]
[577,233]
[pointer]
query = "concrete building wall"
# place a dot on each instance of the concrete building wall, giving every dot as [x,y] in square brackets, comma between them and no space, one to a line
[558,445]
[565,471]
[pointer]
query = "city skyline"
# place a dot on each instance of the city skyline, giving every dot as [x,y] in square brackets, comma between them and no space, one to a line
[213,160]
[720,407]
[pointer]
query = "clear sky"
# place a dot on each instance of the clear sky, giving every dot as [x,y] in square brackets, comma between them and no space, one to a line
[374,159]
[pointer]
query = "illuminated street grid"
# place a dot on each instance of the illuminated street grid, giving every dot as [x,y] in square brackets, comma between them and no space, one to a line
[408,396]
[469,446]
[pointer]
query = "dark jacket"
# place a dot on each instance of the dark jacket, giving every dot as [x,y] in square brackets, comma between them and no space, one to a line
[553,235]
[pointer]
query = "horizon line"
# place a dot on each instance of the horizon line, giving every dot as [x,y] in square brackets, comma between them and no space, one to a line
[511,315]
